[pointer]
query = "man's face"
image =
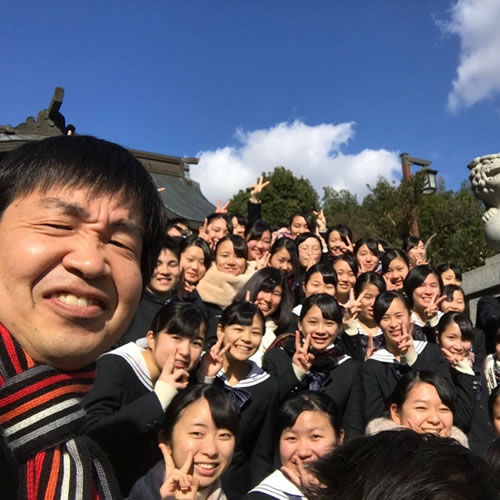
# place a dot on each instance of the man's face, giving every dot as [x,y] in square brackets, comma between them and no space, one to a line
[165,275]
[70,278]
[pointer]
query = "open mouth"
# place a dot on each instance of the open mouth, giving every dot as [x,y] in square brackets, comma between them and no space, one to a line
[75,300]
[206,469]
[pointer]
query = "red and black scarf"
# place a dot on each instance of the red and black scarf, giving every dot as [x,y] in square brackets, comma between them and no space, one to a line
[41,420]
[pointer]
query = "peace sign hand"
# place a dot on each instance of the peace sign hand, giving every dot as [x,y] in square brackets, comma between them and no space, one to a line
[353,307]
[389,285]
[349,247]
[320,220]
[302,358]
[222,209]
[433,308]
[212,361]
[177,378]
[263,261]
[256,189]
[179,484]
[405,344]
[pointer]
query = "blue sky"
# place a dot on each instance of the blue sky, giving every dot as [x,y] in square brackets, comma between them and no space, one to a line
[334,90]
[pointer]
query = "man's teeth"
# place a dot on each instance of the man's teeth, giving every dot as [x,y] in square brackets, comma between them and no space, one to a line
[74,300]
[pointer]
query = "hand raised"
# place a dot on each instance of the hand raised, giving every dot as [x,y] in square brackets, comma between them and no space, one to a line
[222,209]
[302,358]
[433,308]
[212,360]
[179,484]
[177,378]
[353,307]
[257,188]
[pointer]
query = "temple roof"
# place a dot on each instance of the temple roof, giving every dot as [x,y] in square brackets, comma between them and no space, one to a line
[182,196]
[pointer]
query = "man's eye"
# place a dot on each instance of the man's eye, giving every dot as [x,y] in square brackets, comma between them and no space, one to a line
[119,244]
[61,227]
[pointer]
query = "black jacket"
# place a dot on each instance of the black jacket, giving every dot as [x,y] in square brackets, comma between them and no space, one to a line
[341,382]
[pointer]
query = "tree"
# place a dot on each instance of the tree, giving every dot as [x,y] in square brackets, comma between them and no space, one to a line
[285,195]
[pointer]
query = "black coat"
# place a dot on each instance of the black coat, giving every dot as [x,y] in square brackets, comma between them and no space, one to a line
[254,450]
[124,416]
[342,383]
[381,377]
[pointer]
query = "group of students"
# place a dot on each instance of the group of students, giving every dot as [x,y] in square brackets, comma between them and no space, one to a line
[257,351]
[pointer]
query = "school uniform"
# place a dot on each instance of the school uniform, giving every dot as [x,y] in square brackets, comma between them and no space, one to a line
[257,398]
[332,372]
[124,412]
[381,373]
[355,340]
[275,486]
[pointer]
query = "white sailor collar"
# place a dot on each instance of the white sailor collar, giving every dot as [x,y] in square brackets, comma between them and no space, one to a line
[384,356]
[255,376]
[277,485]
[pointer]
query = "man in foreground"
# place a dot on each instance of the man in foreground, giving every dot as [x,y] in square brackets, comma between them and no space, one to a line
[81,225]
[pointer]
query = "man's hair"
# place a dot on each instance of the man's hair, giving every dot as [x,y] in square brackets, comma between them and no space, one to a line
[101,167]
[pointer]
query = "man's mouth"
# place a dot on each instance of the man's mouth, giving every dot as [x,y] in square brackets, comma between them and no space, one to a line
[75,300]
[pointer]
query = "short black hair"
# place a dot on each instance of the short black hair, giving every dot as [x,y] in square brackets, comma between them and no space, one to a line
[416,277]
[241,313]
[172,243]
[327,272]
[349,259]
[463,322]
[182,318]
[305,236]
[411,242]
[239,244]
[98,166]
[308,217]
[384,301]
[328,306]
[368,278]
[300,402]
[449,290]
[450,266]
[257,230]
[221,407]
[266,280]
[390,255]
[289,245]
[343,230]
[370,243]
[196,241]
[414,377]
[402,465]
[225,217]
[242,220]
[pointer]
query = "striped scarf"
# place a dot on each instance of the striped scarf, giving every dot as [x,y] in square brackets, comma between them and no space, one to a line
[40,422]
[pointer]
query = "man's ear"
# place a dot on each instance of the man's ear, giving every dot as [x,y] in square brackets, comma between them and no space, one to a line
[341,437]
[395,416]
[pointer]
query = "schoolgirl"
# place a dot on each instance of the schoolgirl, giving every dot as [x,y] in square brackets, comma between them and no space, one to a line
[415,250]
[339,240]
[455,336]
[268,289]
[450,274]
[362,336]
[382,371]
[366,253]
[258,238]
[347,270]
[284,257]
[195,259]
[197,441]
[424,402]
[308,427]
[309,250]
[229,272]
[255,392]
[395,268]
[423,288]
[311,360]
[134,385]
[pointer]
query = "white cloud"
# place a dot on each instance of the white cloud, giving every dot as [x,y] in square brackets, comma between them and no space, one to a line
[313,152]
[478,72]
